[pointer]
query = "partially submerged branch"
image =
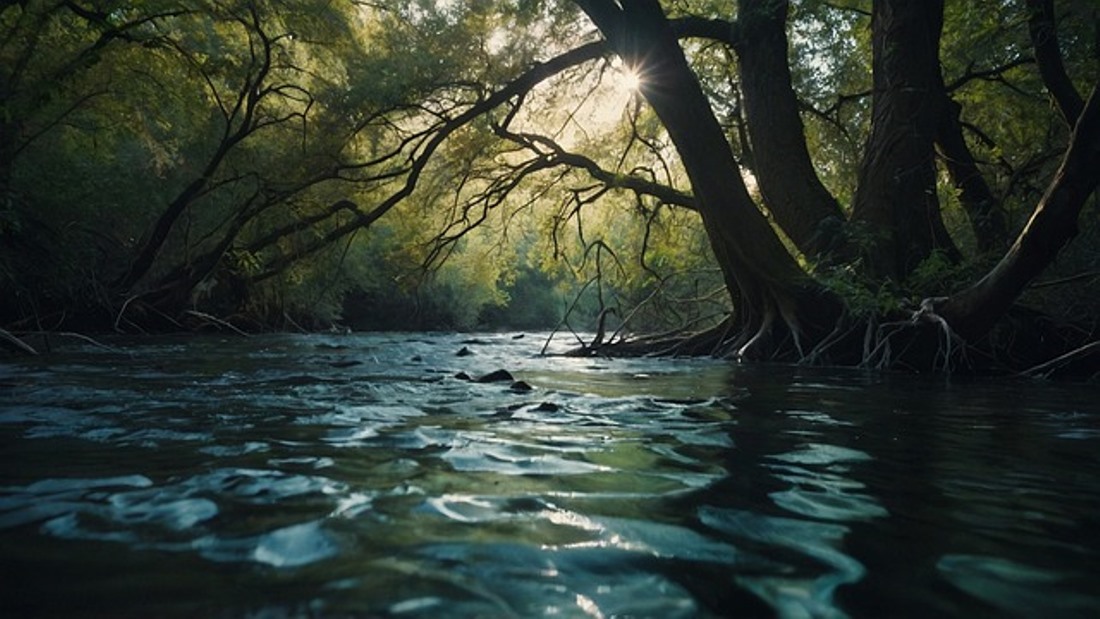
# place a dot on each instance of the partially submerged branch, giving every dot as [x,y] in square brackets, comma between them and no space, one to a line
[14,343]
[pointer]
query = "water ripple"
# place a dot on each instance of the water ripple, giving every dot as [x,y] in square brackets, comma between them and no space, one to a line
[357,476]
[803,588]
[1016,588]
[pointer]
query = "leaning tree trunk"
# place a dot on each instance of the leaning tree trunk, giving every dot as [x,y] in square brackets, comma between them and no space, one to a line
[896,195]
[775,298]
[972,312]
[784,171]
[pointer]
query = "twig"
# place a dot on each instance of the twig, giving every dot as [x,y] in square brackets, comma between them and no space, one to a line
[1073,355]
[89,340]
[215,320]
[297,326]
[121,311]
[1065,280]
[79,336]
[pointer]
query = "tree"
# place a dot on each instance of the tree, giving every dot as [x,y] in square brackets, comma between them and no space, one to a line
[896,194]
[773,296]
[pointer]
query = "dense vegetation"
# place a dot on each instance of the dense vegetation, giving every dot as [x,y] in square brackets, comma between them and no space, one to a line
[885,182]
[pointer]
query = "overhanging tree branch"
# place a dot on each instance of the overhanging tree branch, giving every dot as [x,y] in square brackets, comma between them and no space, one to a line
[556,155]
[516,88]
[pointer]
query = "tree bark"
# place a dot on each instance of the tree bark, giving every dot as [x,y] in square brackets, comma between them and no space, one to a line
[774,296]
[791,189]
[896,195]
[972,312]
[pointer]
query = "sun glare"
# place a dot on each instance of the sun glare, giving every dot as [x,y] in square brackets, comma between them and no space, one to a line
[629,80]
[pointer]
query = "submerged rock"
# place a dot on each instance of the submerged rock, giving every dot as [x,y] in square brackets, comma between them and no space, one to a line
[522,386]
[464,352]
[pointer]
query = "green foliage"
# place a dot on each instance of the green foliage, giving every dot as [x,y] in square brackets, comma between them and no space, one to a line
[864,297]
[280,110]
[938,276]
[830,62]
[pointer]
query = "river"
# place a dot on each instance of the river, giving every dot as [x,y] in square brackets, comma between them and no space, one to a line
[365,475]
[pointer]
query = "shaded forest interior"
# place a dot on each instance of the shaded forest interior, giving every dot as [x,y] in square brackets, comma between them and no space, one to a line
[884,183]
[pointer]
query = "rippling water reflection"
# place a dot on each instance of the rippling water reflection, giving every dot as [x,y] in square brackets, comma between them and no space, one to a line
[357,475]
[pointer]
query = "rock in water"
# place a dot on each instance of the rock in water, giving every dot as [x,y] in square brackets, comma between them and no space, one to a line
[498,376]
[464,352]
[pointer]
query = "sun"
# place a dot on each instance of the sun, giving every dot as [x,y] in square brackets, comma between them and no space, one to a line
[629,79]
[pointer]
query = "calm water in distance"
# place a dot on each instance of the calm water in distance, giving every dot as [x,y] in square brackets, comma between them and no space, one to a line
[316,476]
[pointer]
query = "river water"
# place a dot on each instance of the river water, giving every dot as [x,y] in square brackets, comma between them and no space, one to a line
[360,475]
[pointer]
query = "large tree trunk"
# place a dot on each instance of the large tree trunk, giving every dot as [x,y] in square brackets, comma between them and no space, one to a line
[788,182]
[972,312]
[896,196]
[774,297]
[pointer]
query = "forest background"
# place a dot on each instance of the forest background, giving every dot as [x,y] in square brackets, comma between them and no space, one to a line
[843,181]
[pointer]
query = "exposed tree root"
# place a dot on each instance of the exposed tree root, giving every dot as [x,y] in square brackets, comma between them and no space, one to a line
[922,341]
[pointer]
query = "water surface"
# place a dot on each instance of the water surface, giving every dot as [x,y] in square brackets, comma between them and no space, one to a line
[361,476]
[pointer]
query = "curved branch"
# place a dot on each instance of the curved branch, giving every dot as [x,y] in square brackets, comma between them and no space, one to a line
[972,312]
[720,30]
[559,156]
[1044,37]
[990,74]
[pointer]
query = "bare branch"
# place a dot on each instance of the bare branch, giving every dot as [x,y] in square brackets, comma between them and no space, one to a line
[992,74]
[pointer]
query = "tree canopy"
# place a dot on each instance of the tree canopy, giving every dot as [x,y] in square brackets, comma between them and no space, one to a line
[883,182]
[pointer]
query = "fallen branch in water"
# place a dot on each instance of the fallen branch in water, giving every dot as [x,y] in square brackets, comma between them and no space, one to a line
[215,320]
[13,342]
[1048,367]
[90,340]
